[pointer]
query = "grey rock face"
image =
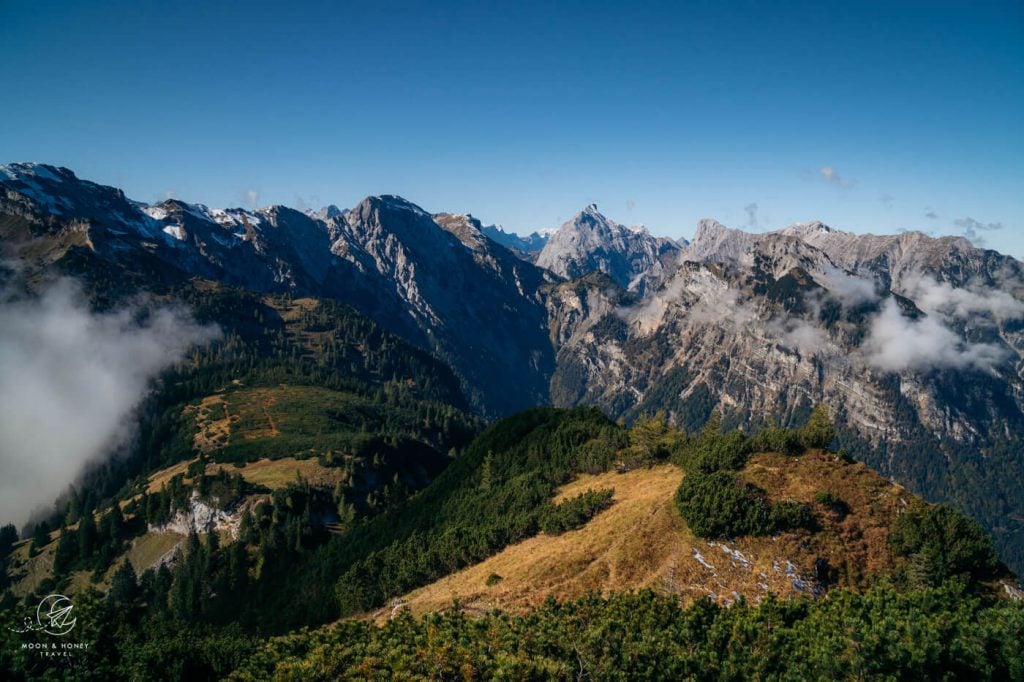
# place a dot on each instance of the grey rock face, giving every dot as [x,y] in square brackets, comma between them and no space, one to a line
[915,344]
[590,242]
[446,288]
[527,247]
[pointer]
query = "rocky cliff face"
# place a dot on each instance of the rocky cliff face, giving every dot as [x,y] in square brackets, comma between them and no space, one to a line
[199,516]
[527,248]
[592,243]
[474,303]
[914,343]
[446,288]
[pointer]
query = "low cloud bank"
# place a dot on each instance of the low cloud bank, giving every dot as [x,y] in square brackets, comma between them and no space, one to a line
[896,343]
[941,297]
[69,381]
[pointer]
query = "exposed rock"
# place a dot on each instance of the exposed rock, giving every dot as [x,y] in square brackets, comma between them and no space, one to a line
[590,242]
[200,517]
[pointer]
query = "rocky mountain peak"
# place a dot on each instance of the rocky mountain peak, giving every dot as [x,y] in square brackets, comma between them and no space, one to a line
[468,229]
[527,247]
[709,228]
[326,213]
[385,202]
[590,242]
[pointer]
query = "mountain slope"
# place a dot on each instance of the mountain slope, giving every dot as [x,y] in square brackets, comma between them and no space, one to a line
[590,242]
[916,344]
[764,326]
[474,304]
[641,542]
[527,247]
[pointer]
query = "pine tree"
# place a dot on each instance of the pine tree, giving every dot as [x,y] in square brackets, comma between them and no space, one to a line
[40,535]
[8,536]
[346,513]
[238,574]
[486,473]
[124,585]
[86,536]
[66,553]
[113,525]
[818,432]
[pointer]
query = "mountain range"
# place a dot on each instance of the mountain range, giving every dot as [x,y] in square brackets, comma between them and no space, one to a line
[915,344]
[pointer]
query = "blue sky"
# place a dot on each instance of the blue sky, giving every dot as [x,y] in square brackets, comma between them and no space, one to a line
[522,113]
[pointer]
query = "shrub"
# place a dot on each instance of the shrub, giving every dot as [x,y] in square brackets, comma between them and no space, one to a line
[574,513]
[783,441]
[790,515]
[941,544]
[711,450]
[828,500]
[718,505]
[818,432]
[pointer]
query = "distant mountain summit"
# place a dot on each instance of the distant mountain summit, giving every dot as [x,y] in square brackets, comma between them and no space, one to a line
[591,242]
[529,246]
[450,290]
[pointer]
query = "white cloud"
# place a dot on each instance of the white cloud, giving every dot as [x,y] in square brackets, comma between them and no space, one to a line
[850,289]
[897,343]
[69,381]
[702,302]
[830,174]
[943,298]
[800,334]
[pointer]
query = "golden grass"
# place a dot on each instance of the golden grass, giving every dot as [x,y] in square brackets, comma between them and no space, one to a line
[27,572]
[278,473]
[147,549]
[857,544]
[628,545]
[292,311]
[213,423]
[641,541]
[157,480]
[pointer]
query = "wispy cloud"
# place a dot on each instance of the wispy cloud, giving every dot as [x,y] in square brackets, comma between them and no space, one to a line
[887,200]
[630,204]
[304,203]
[972,224]
[830,174]
[930,214]
[972,227]
[751,211]
[967,302]
[251,197]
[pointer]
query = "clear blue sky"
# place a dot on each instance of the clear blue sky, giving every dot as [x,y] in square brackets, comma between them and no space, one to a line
[521,113]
